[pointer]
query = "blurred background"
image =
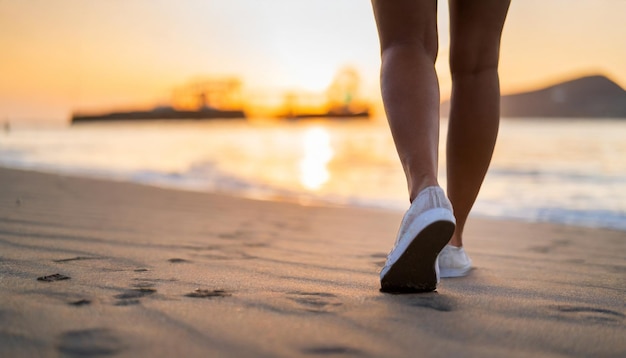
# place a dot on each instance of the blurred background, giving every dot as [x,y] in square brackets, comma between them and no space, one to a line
[280,99]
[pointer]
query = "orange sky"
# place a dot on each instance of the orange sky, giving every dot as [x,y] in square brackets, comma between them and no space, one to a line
[66,54]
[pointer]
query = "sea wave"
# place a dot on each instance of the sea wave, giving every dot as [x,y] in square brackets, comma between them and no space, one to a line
[531,179]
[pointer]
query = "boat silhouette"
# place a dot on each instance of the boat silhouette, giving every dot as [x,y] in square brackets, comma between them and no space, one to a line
[160,113]
[208,99]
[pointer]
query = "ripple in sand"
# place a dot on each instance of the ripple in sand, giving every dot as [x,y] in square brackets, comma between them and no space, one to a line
[378,263]
[127,302]
[378,255]
[77,258]
[143,284]
[588,314]
[435,302]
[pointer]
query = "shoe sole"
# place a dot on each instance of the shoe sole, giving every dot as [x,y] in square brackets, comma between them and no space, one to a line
[449,273]
[413,269]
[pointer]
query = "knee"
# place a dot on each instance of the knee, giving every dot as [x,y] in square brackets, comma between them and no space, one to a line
[424,46]
[472,60]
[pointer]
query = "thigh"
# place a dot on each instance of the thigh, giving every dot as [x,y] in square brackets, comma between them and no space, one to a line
[407,22]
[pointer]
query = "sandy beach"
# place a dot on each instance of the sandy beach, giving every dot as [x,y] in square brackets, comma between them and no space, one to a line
[98,268]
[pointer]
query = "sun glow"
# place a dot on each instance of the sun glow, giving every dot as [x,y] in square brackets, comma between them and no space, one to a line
[66,55]
[317,154]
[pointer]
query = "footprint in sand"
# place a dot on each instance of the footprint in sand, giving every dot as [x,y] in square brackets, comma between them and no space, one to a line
[135,293]
[52,278]
[81,302]
[331,350]
[131,297]
[317,302]
[90,343]
[202,293]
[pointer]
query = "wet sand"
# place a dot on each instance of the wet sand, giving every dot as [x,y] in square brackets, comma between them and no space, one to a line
[99,268]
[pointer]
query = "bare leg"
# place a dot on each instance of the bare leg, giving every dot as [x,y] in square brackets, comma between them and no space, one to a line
[410,89]
[475,31]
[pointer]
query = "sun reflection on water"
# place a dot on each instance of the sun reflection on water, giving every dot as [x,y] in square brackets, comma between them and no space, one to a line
[317,154]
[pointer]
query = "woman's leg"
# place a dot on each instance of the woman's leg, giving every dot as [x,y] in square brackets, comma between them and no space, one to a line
[410,89]
[475,31]
[408,39]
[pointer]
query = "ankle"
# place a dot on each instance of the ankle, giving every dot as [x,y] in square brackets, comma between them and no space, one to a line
[416,187]
[456,241]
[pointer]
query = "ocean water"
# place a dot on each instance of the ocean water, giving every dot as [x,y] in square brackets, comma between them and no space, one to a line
[543,170]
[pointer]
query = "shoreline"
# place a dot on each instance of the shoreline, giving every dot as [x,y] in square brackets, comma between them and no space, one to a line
[302,199]
[572,175]
[155,271]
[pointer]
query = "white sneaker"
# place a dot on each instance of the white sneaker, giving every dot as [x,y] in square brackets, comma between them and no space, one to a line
[426,228]
[454,262]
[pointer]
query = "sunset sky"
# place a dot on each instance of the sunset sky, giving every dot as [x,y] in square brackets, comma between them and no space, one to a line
[62,55]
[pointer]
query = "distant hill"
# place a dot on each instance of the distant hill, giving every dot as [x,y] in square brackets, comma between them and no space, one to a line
[591,97]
